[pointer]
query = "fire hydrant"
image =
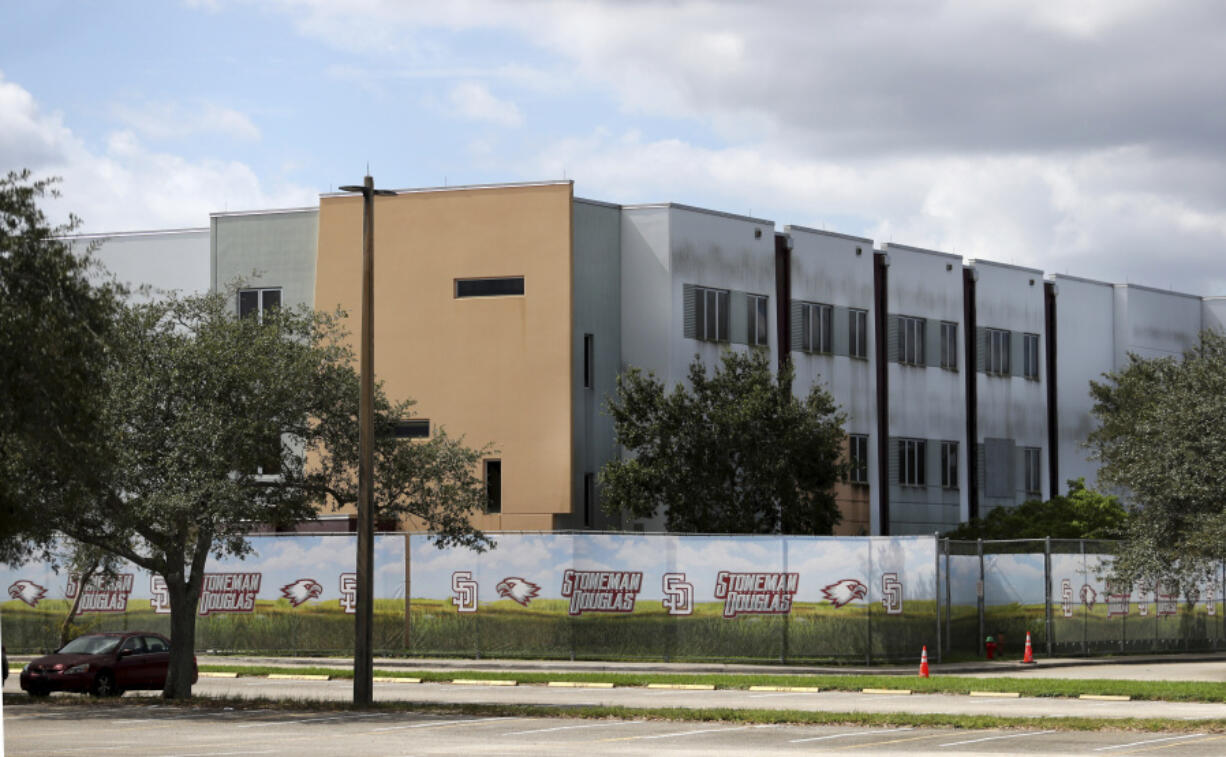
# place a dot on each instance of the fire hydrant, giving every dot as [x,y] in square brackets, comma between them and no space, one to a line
[989,646]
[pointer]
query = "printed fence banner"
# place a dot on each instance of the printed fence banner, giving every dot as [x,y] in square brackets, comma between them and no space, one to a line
[673,596]
[291,593]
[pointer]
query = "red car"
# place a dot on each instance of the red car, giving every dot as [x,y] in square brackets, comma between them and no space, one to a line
[103,664]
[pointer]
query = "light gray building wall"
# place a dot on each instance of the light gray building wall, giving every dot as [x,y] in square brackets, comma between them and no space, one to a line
[926,399]
[1213,314]
[1085,350]
[595,351]
[836,270]
[646,283]
[1011,384]
[273,249]
[163,261]
[1154,323]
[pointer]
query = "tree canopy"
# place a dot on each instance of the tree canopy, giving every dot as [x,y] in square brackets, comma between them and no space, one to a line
[1080,514]
[730,452]
[56,311]
[213,424]
[1162,438]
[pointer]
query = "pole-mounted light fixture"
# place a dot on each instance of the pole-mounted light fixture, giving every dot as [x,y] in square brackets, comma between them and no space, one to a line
[363,654]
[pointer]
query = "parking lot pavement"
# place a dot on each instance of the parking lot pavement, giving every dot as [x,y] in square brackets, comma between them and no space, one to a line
[169,731]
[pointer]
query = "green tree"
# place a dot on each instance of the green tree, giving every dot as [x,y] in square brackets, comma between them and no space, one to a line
[1080,514]
[201,407]
[733,452]
[56,313]
[1162,438]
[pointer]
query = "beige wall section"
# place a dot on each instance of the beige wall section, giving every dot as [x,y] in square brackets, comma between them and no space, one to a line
[495,369]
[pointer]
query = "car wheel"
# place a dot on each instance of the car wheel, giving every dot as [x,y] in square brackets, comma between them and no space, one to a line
[104,685]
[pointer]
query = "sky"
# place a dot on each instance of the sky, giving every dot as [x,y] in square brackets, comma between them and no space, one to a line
[1081,137]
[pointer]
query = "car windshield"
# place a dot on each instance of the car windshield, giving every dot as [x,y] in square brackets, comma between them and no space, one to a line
[91,645]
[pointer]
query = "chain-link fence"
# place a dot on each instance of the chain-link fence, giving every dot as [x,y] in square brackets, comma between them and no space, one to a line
[1059,590]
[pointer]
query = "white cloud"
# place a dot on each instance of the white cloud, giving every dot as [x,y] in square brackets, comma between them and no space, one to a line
[474,101]
[177,120]
[127,184]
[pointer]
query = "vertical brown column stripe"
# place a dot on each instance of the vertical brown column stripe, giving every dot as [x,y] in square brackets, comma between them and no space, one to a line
[1053,431]
[972,391]
[783,299]
[880,314]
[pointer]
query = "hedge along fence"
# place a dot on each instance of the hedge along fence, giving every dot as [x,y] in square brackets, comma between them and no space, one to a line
[640,596]
[1057,589]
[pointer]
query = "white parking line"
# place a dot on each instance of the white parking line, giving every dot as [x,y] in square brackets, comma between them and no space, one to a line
[994,738]
[689,733]
[435,724]
[849,733]
[311,720]
[218,754]
[1150,741]
[572,727]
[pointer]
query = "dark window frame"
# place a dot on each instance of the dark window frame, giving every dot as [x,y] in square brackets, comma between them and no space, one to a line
[1030,356]
[758,321]
[857,458]
[262,304]
[708,302]
[589,361]
[997,345]
[817,328]
[492,470]
[911,339]
[912,462]
[949,465]
[1033,469]
[489,286]
[949,345]
[857,333]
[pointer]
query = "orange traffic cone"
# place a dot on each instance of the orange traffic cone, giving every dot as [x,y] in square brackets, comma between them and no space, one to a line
[924,663]
[1029,658]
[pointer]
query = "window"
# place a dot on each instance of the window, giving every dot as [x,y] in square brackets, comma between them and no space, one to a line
[857,342]
[589,358]
[857,454]
[257,302]
[269,456]
[711,314]
[493,486]
[949,465]
[589,498]
[496,286]
[1033,474]
[911,462]
[949,345]
[155,644]
[910,340]
[412,428]
[1030,356]
[816,328]
[759,325]
[996,352]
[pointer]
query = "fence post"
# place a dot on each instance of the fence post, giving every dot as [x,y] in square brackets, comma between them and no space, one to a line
[979,590]
[1047,592]
[868,611]
[1085,610]
[936,588]
[949,639]
[783,650]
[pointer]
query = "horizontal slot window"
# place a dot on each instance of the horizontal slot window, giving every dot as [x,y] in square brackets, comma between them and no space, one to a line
[501,286]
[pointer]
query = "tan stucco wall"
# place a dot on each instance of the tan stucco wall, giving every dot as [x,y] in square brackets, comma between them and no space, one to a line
[495,369]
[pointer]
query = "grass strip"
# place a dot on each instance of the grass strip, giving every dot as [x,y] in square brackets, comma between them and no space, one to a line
[680,714]
[1170,691]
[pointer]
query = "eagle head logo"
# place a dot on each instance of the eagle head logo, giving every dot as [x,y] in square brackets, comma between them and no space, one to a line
[301,590]
[1088,596]
[841,592]
[27,591]
[518,589]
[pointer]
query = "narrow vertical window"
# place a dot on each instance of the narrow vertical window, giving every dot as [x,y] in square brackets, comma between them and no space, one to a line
[711,314]
[911,462]
[997,359]
[858,333]
[817,328]
[1030,356]
[949,465]
[589,358]
[493,486]
[857,449]
[758,325]
[1032,472]
[949,345]
[911,340]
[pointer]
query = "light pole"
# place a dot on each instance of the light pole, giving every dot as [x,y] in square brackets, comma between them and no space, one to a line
[363,662]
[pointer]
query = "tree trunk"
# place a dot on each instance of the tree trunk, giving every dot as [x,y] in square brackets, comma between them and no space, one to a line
[184,596]
[82,582]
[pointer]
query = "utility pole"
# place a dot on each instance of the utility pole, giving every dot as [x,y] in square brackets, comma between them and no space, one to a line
[363,659]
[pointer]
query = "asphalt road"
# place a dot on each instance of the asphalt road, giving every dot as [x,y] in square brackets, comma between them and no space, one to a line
[161,731]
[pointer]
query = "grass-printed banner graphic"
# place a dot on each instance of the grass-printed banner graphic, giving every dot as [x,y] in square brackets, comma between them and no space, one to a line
[292,592]
[656,595]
